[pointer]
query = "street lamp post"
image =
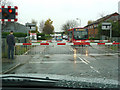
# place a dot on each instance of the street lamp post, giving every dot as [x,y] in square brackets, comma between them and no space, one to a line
[80,21]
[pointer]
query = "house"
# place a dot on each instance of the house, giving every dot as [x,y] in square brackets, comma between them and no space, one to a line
[92,28]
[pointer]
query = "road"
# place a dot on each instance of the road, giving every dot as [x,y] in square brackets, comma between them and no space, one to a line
[90,62]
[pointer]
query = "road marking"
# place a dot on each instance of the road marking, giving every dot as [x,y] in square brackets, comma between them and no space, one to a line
[83,60]
[94,54]
[86,62]
[54,62]
[94,69]
[91,67]
[71,49]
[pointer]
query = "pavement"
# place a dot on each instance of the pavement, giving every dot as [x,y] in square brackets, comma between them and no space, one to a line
[10,64]
[19,60]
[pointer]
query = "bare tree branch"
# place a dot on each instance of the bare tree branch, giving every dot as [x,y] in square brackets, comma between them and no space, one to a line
[6,3]
[41,25]
[102,14]
[69,24]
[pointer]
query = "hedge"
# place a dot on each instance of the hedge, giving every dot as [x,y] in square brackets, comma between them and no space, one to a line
[16,34]
[40,34]
[93,38]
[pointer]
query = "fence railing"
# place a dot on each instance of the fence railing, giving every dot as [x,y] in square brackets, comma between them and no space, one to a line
[5,47]
[66,48]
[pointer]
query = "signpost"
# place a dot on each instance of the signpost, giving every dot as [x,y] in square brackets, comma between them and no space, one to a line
[33,36]
[31,26]
[7,14]
[107,26]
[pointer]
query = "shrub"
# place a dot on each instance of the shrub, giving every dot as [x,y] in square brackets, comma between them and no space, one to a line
[16,34]
[93,38]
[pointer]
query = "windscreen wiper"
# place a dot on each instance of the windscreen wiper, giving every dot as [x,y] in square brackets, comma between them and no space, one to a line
[26,77]
[24,81]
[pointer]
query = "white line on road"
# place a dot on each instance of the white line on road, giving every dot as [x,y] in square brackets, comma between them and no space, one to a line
[71,49]
[91,67]
[53,62]
[83,60]
[86,60]
[94,69]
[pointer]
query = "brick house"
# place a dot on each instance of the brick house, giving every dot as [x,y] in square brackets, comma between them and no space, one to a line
[92,28]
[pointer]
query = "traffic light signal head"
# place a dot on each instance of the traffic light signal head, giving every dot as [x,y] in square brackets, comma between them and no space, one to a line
[8,13]
[0,10]
[10,10]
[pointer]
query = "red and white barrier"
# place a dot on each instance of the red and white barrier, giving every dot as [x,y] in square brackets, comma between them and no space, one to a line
[76,43]
[46,41]
[93,41]
[40,41]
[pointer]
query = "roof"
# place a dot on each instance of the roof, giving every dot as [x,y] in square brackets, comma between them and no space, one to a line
[15,26]
[103,19]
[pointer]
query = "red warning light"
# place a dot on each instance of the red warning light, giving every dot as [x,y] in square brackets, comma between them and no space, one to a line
[0,10]
[5,14]
[10,11]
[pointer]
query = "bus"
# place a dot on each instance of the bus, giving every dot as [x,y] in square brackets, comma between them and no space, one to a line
[77,34]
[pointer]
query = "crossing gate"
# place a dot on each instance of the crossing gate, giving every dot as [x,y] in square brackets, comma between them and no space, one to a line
[66,48]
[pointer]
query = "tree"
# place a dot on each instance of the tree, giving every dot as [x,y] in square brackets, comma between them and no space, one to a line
[35,22]
[41,25]
[69,24]
[48,27]
[102,14]
[90,21]
[5,3]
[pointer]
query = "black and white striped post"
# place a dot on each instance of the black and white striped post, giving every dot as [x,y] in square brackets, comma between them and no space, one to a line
[7,14]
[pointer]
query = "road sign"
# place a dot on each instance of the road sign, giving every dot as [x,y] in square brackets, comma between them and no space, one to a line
[106,26]
[33,36]
[31,26]
[8,13]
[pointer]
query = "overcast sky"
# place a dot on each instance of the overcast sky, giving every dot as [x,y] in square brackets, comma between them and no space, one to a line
[62,10]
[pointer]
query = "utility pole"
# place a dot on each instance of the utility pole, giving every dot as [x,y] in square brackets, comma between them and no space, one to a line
[111,32]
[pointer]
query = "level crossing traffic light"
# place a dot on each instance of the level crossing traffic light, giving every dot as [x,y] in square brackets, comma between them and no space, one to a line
[8,13]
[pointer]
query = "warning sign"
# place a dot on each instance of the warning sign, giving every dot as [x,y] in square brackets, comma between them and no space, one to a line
[33,36]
